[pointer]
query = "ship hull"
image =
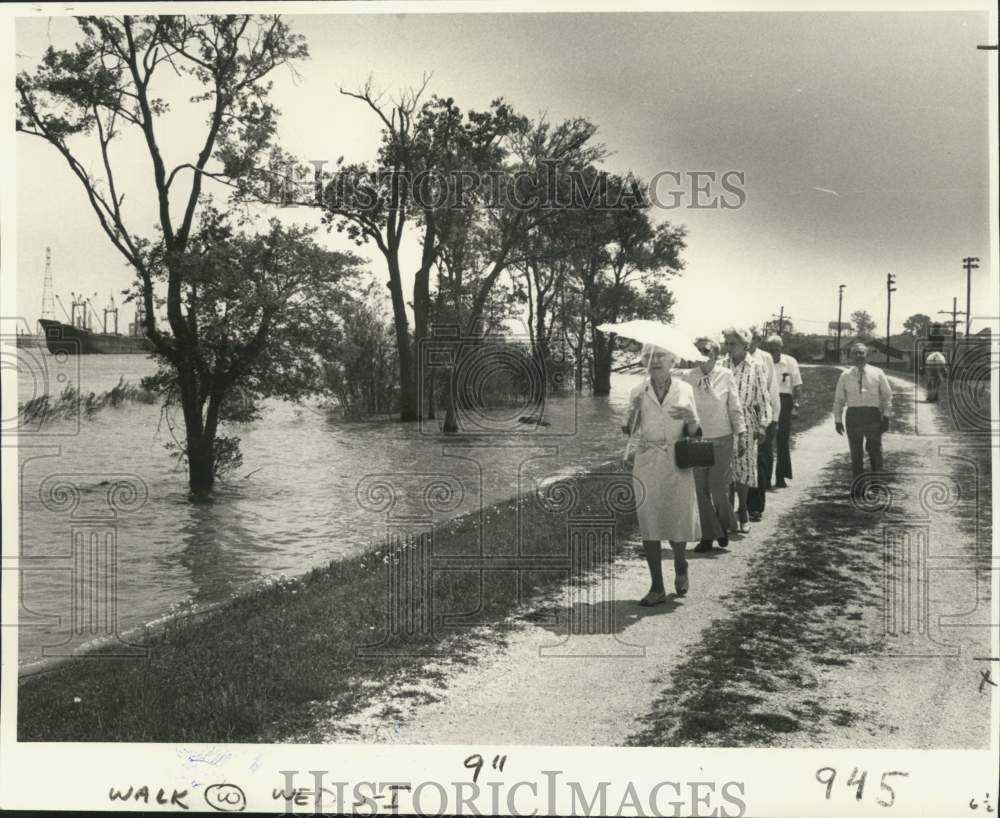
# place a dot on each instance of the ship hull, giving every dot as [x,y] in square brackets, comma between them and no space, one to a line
[72,340]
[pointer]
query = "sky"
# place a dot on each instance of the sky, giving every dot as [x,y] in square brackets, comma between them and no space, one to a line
[863,138]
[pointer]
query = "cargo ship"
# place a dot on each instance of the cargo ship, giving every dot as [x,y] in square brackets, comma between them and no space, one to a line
[78,338]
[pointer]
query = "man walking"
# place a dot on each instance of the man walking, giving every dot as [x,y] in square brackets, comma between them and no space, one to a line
[935,367]
[864,391]
[789,389]
[756,498]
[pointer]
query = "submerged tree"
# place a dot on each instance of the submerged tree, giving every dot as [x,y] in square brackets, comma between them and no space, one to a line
[104,87]
[268,306]
[425,148]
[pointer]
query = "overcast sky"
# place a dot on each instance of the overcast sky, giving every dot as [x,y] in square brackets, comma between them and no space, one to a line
[862,136]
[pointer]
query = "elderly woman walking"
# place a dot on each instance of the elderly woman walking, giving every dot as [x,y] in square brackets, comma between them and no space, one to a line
[661,411]
[721,415]
[752,388]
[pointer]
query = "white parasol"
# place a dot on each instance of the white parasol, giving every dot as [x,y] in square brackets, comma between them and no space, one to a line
[673,340]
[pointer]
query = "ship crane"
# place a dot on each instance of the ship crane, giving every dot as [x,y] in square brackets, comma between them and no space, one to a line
[113,310]
[63,308]
[89,324]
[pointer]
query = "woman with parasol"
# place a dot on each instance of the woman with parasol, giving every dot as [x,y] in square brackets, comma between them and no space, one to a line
[661,412]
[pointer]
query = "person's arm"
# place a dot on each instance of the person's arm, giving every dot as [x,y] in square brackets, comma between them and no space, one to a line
[774,393]
[840,399]
[687,410]
[692,425]
[885,396]
[768,386]
[734,407]
[796,382]
[632,415]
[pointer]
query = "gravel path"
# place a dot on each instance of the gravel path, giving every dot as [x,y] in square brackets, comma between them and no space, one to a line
[597,692]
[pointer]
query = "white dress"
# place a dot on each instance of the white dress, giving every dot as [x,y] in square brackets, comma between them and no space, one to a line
[666,498]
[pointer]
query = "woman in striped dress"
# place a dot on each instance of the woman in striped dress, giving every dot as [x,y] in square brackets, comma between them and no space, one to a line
[751,384]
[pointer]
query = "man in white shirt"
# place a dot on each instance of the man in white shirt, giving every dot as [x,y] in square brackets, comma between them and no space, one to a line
[864,391]
[765,449]
[789,389]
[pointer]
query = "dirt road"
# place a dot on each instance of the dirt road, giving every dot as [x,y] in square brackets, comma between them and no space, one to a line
[875,690]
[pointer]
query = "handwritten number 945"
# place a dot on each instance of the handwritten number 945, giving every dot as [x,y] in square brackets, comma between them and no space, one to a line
[827,775]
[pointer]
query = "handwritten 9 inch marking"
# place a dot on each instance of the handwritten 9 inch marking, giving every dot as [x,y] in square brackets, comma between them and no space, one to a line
[827,775]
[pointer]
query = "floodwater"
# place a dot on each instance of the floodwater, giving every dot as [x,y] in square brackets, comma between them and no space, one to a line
[310,489]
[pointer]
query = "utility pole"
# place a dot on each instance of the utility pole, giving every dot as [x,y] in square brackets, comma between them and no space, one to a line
[970,263]
[840,307]
[781,321]
[954,312]
[890,280]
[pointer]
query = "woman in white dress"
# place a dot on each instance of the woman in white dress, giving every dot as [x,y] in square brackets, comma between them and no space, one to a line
[661,411]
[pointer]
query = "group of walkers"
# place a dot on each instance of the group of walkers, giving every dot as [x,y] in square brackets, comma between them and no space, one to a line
[742,399]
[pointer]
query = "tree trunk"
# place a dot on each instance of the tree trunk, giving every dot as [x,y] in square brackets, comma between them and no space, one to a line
[451,414]
[407,394]
[602,364]
[431,386]
[201,463]
[199,446]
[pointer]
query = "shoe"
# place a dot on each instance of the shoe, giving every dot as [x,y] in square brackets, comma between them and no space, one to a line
[653,598]
[744,528]
[681,578]
[781,484]
[703,546]
[755,516]
[723,542]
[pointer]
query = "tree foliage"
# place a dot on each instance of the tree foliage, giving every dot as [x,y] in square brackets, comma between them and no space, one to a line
[917,324]
[863,322]
[108,83]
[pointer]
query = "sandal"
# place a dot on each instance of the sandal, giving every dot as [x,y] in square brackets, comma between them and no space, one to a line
[681,578]
[653,598]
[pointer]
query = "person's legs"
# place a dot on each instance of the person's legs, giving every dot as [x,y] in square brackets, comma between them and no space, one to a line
[654,556]
[720,477]
[855,439]
[710,529]
[741,491]
[680,567]
[933,382]
[756,497]
[783,469]
[873,443]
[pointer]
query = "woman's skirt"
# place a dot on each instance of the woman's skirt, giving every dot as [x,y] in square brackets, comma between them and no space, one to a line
[745,467]
[666,496]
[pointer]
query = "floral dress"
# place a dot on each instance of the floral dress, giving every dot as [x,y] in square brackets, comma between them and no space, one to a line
[752,387]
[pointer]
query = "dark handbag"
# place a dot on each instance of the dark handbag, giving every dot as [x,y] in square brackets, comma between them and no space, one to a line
[693,453]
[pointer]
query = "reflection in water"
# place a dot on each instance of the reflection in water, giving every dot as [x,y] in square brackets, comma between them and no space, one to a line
[294,505]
